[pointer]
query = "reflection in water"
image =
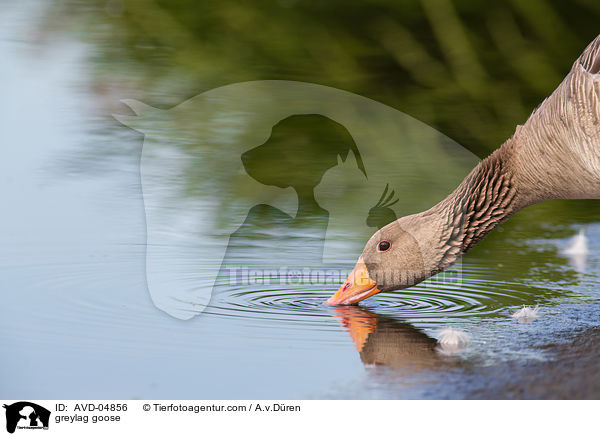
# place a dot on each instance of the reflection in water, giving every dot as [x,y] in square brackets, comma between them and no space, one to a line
[382,340]
[577,251]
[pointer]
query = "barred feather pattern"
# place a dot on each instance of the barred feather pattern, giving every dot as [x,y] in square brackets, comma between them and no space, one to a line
[555,154]
[490,200]
[486,198]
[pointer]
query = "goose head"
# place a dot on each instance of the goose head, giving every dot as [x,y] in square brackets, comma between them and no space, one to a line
[399,255]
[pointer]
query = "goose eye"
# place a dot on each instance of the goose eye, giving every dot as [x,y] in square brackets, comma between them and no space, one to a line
[384,246]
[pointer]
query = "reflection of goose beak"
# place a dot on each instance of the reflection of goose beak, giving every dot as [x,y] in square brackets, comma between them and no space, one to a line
[359,322]
[357,287]
[381,340]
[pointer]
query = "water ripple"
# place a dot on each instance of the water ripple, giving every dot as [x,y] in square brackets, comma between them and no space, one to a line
[473,296]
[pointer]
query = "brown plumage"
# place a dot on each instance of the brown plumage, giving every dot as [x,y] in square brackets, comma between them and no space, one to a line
[554,155]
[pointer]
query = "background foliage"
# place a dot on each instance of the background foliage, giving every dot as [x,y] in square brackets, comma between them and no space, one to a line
[472,69]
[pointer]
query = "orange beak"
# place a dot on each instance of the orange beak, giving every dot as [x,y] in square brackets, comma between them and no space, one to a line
[357,287]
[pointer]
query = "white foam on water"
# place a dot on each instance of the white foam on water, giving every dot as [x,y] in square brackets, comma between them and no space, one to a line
[452,341]
[526,314]
[450,336]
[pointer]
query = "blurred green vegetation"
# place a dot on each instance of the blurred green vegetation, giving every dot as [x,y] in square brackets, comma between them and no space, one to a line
[471,69]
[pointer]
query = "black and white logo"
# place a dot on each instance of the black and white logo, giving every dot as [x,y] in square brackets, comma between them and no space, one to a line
[26,415]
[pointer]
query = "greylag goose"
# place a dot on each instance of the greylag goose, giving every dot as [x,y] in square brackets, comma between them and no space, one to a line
[554,155]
